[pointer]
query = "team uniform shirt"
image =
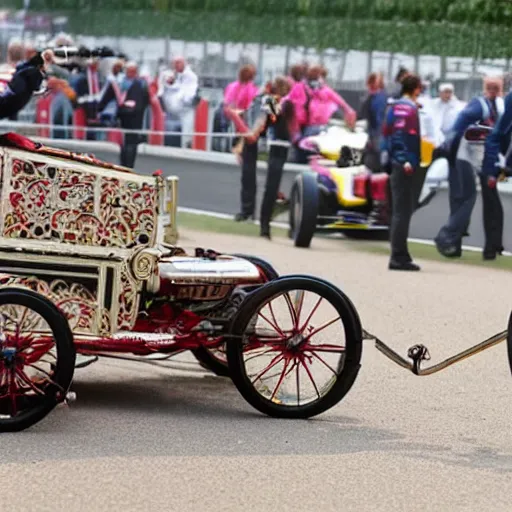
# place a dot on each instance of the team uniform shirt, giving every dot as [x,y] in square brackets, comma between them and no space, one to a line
[401,137]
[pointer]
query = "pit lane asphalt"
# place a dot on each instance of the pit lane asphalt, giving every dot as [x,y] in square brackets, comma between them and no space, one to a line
[216,187]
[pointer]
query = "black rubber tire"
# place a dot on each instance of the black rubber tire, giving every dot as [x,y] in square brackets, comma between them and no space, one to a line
[304,193]
[367,234]
[353,333]
[509,342]
[205,356]
[66,355]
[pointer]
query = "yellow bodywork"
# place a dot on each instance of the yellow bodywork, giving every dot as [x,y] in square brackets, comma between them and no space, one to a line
[329,145]
[339,177]
[427,149]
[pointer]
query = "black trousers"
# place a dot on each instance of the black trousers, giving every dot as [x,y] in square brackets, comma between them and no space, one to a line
[276,159]
[405,192]
[129,150]
[248,193]
[493,217]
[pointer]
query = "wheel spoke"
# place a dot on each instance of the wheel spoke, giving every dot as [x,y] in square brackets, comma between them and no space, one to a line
[298,303]
[281,378]
[297,377]
[48,375]
[255,356]
[313,311]
[275,327]
[20,323]
[24,377]
[274,319]
[277,359]
[304,364]
[324,363]
[321,328]
[295,306]
[335,349]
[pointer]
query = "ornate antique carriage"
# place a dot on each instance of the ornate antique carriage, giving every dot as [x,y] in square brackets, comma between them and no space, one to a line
[87,266]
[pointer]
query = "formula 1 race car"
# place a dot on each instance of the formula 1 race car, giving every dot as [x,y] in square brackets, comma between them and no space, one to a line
[341,195]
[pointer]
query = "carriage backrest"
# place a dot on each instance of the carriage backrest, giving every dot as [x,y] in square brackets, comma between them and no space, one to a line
[53,198]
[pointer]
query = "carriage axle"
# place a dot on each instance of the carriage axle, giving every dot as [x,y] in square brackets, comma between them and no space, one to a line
[419,353]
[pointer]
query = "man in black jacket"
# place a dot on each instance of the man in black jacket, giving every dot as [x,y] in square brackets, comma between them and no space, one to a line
[26,80]
[132,97]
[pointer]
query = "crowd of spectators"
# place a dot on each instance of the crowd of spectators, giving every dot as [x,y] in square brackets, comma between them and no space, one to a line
[98,92]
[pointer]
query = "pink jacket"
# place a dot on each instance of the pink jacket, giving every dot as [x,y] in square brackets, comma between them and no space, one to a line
[240,96]
[320,106]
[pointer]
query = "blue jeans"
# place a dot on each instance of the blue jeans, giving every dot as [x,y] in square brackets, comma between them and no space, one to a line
[462,185]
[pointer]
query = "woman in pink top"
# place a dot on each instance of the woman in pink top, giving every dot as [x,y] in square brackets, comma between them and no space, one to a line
[240,94]
[313,101]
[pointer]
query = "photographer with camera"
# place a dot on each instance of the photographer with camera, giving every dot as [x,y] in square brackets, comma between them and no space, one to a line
[27,79]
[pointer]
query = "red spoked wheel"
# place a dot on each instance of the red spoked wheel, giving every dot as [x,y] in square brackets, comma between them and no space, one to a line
[295,348]
[215,359]
[37,358]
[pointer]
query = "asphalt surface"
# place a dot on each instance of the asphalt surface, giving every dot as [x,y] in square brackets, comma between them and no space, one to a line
[140,438]
[216,187]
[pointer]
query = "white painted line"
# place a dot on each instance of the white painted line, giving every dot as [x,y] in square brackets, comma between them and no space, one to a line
[285,225]
[227,216]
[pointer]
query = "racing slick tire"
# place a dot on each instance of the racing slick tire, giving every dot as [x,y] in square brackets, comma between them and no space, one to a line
[294,345]
[303,209]
[367,234]
[215,360]
[24,400]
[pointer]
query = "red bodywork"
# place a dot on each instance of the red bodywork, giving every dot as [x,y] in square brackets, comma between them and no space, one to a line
[174,325]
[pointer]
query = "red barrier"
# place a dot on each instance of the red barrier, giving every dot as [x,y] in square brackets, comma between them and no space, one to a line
[43,114]
[157,120]
[79,123]
[201,125]
[116,137]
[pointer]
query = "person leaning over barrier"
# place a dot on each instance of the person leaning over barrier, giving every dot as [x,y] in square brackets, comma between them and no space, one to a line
[401,156]
[497,157]
[247,153]
[26,80]
[276,113]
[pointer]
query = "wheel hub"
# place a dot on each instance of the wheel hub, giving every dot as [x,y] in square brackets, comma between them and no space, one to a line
[8,355]
[295,341]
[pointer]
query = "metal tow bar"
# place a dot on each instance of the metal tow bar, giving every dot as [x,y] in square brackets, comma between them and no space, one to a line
[420,353]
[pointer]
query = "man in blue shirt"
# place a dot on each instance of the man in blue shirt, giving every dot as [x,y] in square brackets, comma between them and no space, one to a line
[498,142]
[373,111]
[465,161]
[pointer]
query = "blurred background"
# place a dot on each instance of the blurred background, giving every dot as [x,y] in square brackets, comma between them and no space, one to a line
[456,40]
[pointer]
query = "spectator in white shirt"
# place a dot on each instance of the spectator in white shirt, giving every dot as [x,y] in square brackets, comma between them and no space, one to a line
[184,91]
[445,108]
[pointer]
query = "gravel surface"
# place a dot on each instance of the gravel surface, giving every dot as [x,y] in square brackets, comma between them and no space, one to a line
[144,438]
